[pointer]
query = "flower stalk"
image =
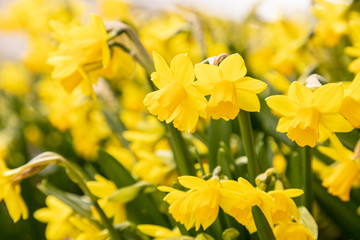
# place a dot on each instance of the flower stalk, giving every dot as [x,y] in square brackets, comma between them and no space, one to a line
[307,177]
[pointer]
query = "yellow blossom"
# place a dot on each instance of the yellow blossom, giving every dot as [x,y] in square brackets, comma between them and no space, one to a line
[14,79]
[56,215]
[10,192]
[350,107]
[309,117]
[177,99]
[346,173]
[159,232]
[82,50]
[198,206]
[291,230]
[104,188]
[285,209]
[237,198]
[229,88]
[88,231]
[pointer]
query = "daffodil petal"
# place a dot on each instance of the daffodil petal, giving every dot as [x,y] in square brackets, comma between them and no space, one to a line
[327,99]
[300,94]
[355,88]
[192,182]
[283,124]
[164,75]
[251,85]
[283,105]
[182,69]
[248,101]
[335,123]
[233,67]
[207,75]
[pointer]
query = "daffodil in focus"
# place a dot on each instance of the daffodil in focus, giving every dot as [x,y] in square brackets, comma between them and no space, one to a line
[104,188]
[159,232]
[177,99]
[228,88]
[10,192]
[56,215]
[310,117]
[346,171]
[82,50]
[350,107]
[197,207]
[291,230]
[237,198]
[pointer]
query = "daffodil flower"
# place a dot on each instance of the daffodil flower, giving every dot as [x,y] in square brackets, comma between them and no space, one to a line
[228,87]
[177,99]
[197,207]
[347,170]
[159,232]
[350,107]
[309,117]
[292,230]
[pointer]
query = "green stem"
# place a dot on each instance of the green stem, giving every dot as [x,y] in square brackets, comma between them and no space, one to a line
[79,179]
[248,141]
[184,162]
[307,177]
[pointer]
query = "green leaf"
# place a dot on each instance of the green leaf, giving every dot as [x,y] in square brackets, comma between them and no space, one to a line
[230,234]
[76,202]
[263,228]
[129,193]
[114,170]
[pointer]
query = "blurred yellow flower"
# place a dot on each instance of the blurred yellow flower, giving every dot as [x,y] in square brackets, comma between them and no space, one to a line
[104,188]
[198,206]
[347,171]
[350,107]
[285,209]
[228,87]
[88,231]
[237,198]
[14,79]
[291,230]
[309,117]
[83,49]
[10,192]
[159,232]
[56,215]
[177,99]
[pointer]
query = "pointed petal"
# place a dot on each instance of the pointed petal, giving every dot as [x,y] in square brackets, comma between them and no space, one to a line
[300,94]
[233,67]
[251,85]
[283,105]
[355,88]
[335,123]
[207,75]
[248,101]
[192,182]
[182,69]
[163,72]
[283,124]
[327,99]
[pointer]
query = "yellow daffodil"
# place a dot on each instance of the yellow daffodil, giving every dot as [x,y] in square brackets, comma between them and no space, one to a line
[237,198]
[83,49]
[346,173]
[159,232]
[350,107]
[332,24]
[309,117]
[56,215]
[285,209]
[10,192]
[104,188]
[177,99]
[354,34]
[14,79]
[229,88]
[198,206]
[88,231]
[291,230]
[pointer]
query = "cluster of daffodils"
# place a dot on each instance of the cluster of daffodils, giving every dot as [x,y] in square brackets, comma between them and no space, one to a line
[181,100]
[131,123]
